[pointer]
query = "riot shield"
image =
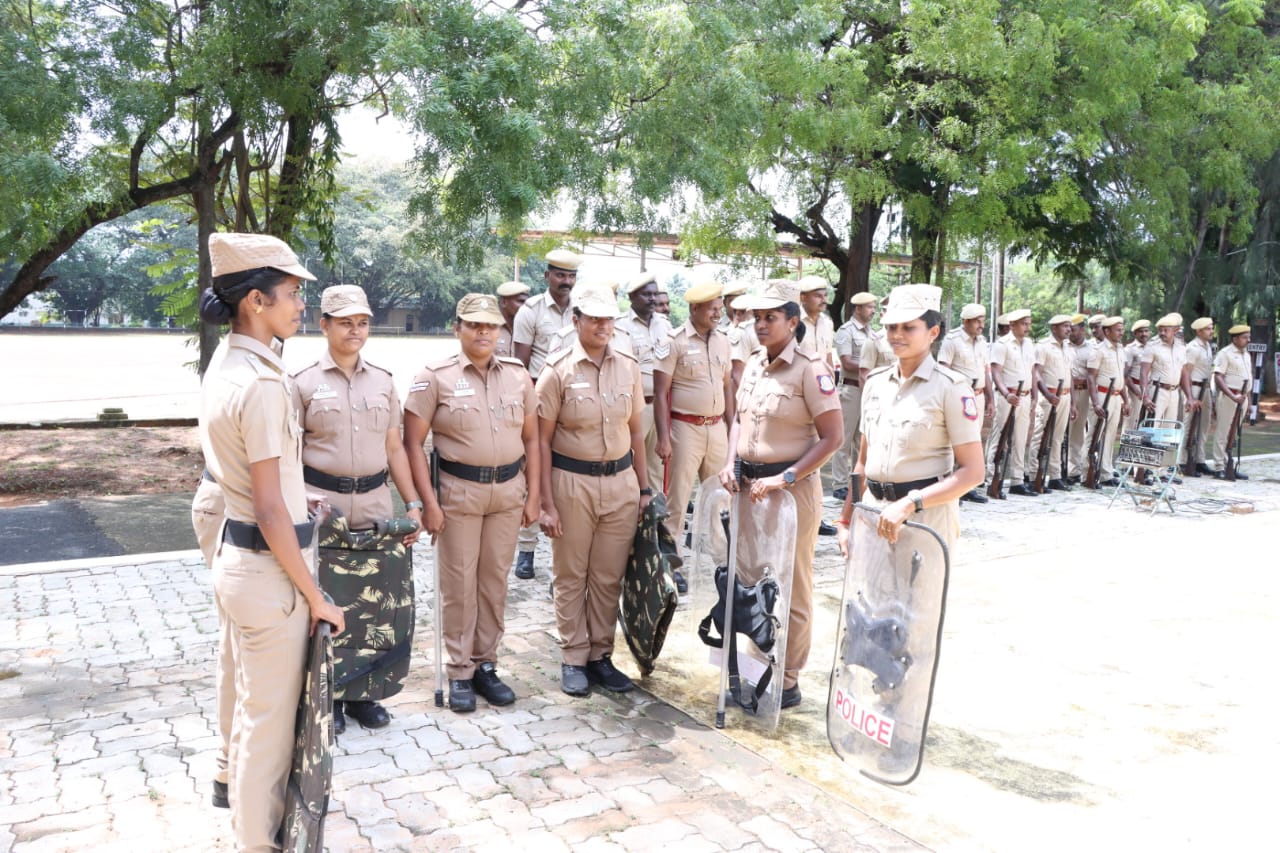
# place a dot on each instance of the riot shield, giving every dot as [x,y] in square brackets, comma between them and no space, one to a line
[890,628]
[746,625]
[369,573]
[307,793]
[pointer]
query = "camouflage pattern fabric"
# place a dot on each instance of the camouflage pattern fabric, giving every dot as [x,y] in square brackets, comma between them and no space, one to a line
[649,596]
[307,794]
[369,574]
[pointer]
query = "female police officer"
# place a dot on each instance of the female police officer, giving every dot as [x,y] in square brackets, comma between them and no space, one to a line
[480,411]
[253,448]
[594,484]
[918,418]
[788,425]
[350,418]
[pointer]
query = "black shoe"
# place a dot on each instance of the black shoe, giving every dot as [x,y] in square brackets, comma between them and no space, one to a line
[1109,484]
[1240,475]
[604,673]
[975,496]
[825,529]
[219,798]
[688,510]
[524,565]
[688,539]
[462,698]
[840,494]
[1059,484]
[339,720]
[1202,468]
[573,680]
[371,715]
[791,696]
[487,684]
[682,585]
[1177,481]
[1022,489]
[1075,479]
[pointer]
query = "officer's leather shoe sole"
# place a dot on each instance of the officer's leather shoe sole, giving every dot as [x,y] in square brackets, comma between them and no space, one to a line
[1202,468]
[219,798]
[462,699]
[1060,485]
[573,680]
[1025,491]
[371,715]
[524,565]
[339,719]
[487,684]
[791,696]
[604,673]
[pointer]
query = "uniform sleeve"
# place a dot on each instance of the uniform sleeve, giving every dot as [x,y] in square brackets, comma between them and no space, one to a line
[964,424]
[667,361]
[530,396]
[1147,356]
[549,394]
[1094,361]
[1220,362]
[397,414]
[1039,357]
[869,355]
[997,353]
[819,389]
[267,409]
[299,406]
[522,329]
[844,342]
[423,395]
[662,344]
[947,352]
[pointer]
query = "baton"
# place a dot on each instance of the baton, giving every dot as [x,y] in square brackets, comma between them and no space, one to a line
[730,590]
[435,585]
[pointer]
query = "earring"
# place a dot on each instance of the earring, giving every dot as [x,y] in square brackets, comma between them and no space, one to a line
[257,309]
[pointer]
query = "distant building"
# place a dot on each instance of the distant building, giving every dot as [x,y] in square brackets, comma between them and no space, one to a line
[28,312]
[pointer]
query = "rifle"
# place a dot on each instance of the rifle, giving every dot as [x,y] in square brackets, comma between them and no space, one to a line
[1095,440]
[1233,462]
[1193,434]
[1000,460]
[1148,412]
[1042,456]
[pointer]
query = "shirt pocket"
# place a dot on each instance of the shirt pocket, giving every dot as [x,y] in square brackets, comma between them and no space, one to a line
[513,409]
[377,413]
[324,416]
[579,406]
[618,405]
[911,426]
[462,413]
[293,437]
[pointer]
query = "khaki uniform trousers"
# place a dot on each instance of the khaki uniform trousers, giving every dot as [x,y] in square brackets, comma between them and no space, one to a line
[1168,404]
[1135,409]
[1221,434]
[267,621]
[1107,465]
[527,539]
[1018,443]
[1055,441]
[207,511]
[698,452]
[653,462]
[1194,451]
[599,517]
[1081,432]
[844,460]
[473,553]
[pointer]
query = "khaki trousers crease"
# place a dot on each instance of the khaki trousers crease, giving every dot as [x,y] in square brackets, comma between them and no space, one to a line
[653,462]
[598,516]
[207,512]
[1018,441]
[1060,424]
[474,552]
[1109,430]
[1221,434]
[844,459]
[268,621]
[1081,431]
[697,452]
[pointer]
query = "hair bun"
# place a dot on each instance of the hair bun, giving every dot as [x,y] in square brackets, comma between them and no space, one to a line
[213,309]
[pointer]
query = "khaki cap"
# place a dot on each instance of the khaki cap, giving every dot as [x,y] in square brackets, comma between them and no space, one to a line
[563,259]
[512,288]
[811,283]
[1141,324]
[777,292]
[972,311]
[1077,319]
[1239,329]
[734,288]
[1097,318]
[1059,318]
[640,281]
[239,252]
[1112,321]
[703,292]
[344,300]
[1020,314]
[596,300]
[480,308]
[1002,320]
[865,297]
[1174,319]
[909,302]
[1202,323]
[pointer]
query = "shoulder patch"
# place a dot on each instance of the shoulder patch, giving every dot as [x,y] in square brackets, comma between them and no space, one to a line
[970,407]
[826,384]
[420,386]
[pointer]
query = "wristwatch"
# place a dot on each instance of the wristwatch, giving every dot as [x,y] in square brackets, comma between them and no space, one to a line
[789,477]
[917,498]
[413,505]
[647,492]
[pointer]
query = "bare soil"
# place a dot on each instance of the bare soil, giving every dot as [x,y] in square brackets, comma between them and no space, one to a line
[46,464]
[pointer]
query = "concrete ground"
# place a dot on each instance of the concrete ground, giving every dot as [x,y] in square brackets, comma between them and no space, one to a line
[1102,684]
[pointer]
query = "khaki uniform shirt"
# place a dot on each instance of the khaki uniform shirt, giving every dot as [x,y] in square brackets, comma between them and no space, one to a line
[850,338]
[911,426]
[1234,365]
[590,405]
[1133,360]
[819,336]
[246,416]
[1015,362]
[476,416]
[777,402]
[1200,357]
[968,355]
[698,368]
[536,321]
[1080,358]
[742,340]
[1166,361]
[879,354]
[649,343]
[1054,358]
[504,347]
[1108,359]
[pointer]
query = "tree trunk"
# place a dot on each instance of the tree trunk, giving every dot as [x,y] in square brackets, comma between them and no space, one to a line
[1202,228]
[856,275]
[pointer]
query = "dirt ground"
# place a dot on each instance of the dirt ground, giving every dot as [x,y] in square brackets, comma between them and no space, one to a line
[45,464]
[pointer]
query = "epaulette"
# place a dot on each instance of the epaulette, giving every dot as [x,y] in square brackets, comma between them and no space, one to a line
[809,355]
[953,375]
[377,367]
[559,355]
[302,370]
[508,359]
[880,370]
[626,355]
[443,362]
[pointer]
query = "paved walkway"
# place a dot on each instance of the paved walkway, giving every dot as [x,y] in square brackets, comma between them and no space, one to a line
[1102,685]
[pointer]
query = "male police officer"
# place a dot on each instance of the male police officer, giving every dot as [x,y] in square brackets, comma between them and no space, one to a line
[852,335]
[512,295]
[650,338]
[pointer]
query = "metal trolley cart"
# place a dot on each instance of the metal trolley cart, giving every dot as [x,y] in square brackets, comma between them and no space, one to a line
[1155,445]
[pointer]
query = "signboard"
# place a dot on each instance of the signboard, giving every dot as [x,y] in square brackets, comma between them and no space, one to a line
[1256,348]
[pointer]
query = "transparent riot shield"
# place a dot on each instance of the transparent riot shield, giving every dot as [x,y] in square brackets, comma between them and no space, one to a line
[890,628]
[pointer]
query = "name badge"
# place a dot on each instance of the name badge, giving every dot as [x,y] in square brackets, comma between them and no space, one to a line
[465,392]
[324,395]
[580,385]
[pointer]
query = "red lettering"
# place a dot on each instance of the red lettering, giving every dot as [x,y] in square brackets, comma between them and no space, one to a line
[862,720]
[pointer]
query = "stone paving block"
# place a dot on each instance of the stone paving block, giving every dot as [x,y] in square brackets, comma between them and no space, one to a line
[726,831]
[62,822]
[529,789]
[417,813]
[476,780]
[565,809]
[389,836]
[512,739]
[502,768]
[343,834]
[655,834]
[456,807]
[462,757]
[34,784]
[775,834]
[413,783]
[31,809]
[604,824]
[364,805]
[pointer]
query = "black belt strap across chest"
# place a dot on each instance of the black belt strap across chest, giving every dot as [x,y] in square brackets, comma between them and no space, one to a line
[479,474]
[343,485]
[897,491]
[246,535]
[594,469]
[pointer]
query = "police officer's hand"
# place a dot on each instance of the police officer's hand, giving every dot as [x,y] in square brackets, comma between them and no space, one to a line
[762,487]
[328,612]
[728,480]
[416,515]
[664,448]
[434,521]
[1193,405]
[892,518]
[529,516]
[550,521]
[842,538]
[1099,411]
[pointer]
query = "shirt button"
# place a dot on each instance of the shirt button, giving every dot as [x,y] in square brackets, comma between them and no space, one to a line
[355,429]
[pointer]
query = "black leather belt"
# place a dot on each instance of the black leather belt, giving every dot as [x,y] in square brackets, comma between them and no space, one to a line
[477,474]
[897,491]
[343,485]
[760,470]
[242,534]
[594,469]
